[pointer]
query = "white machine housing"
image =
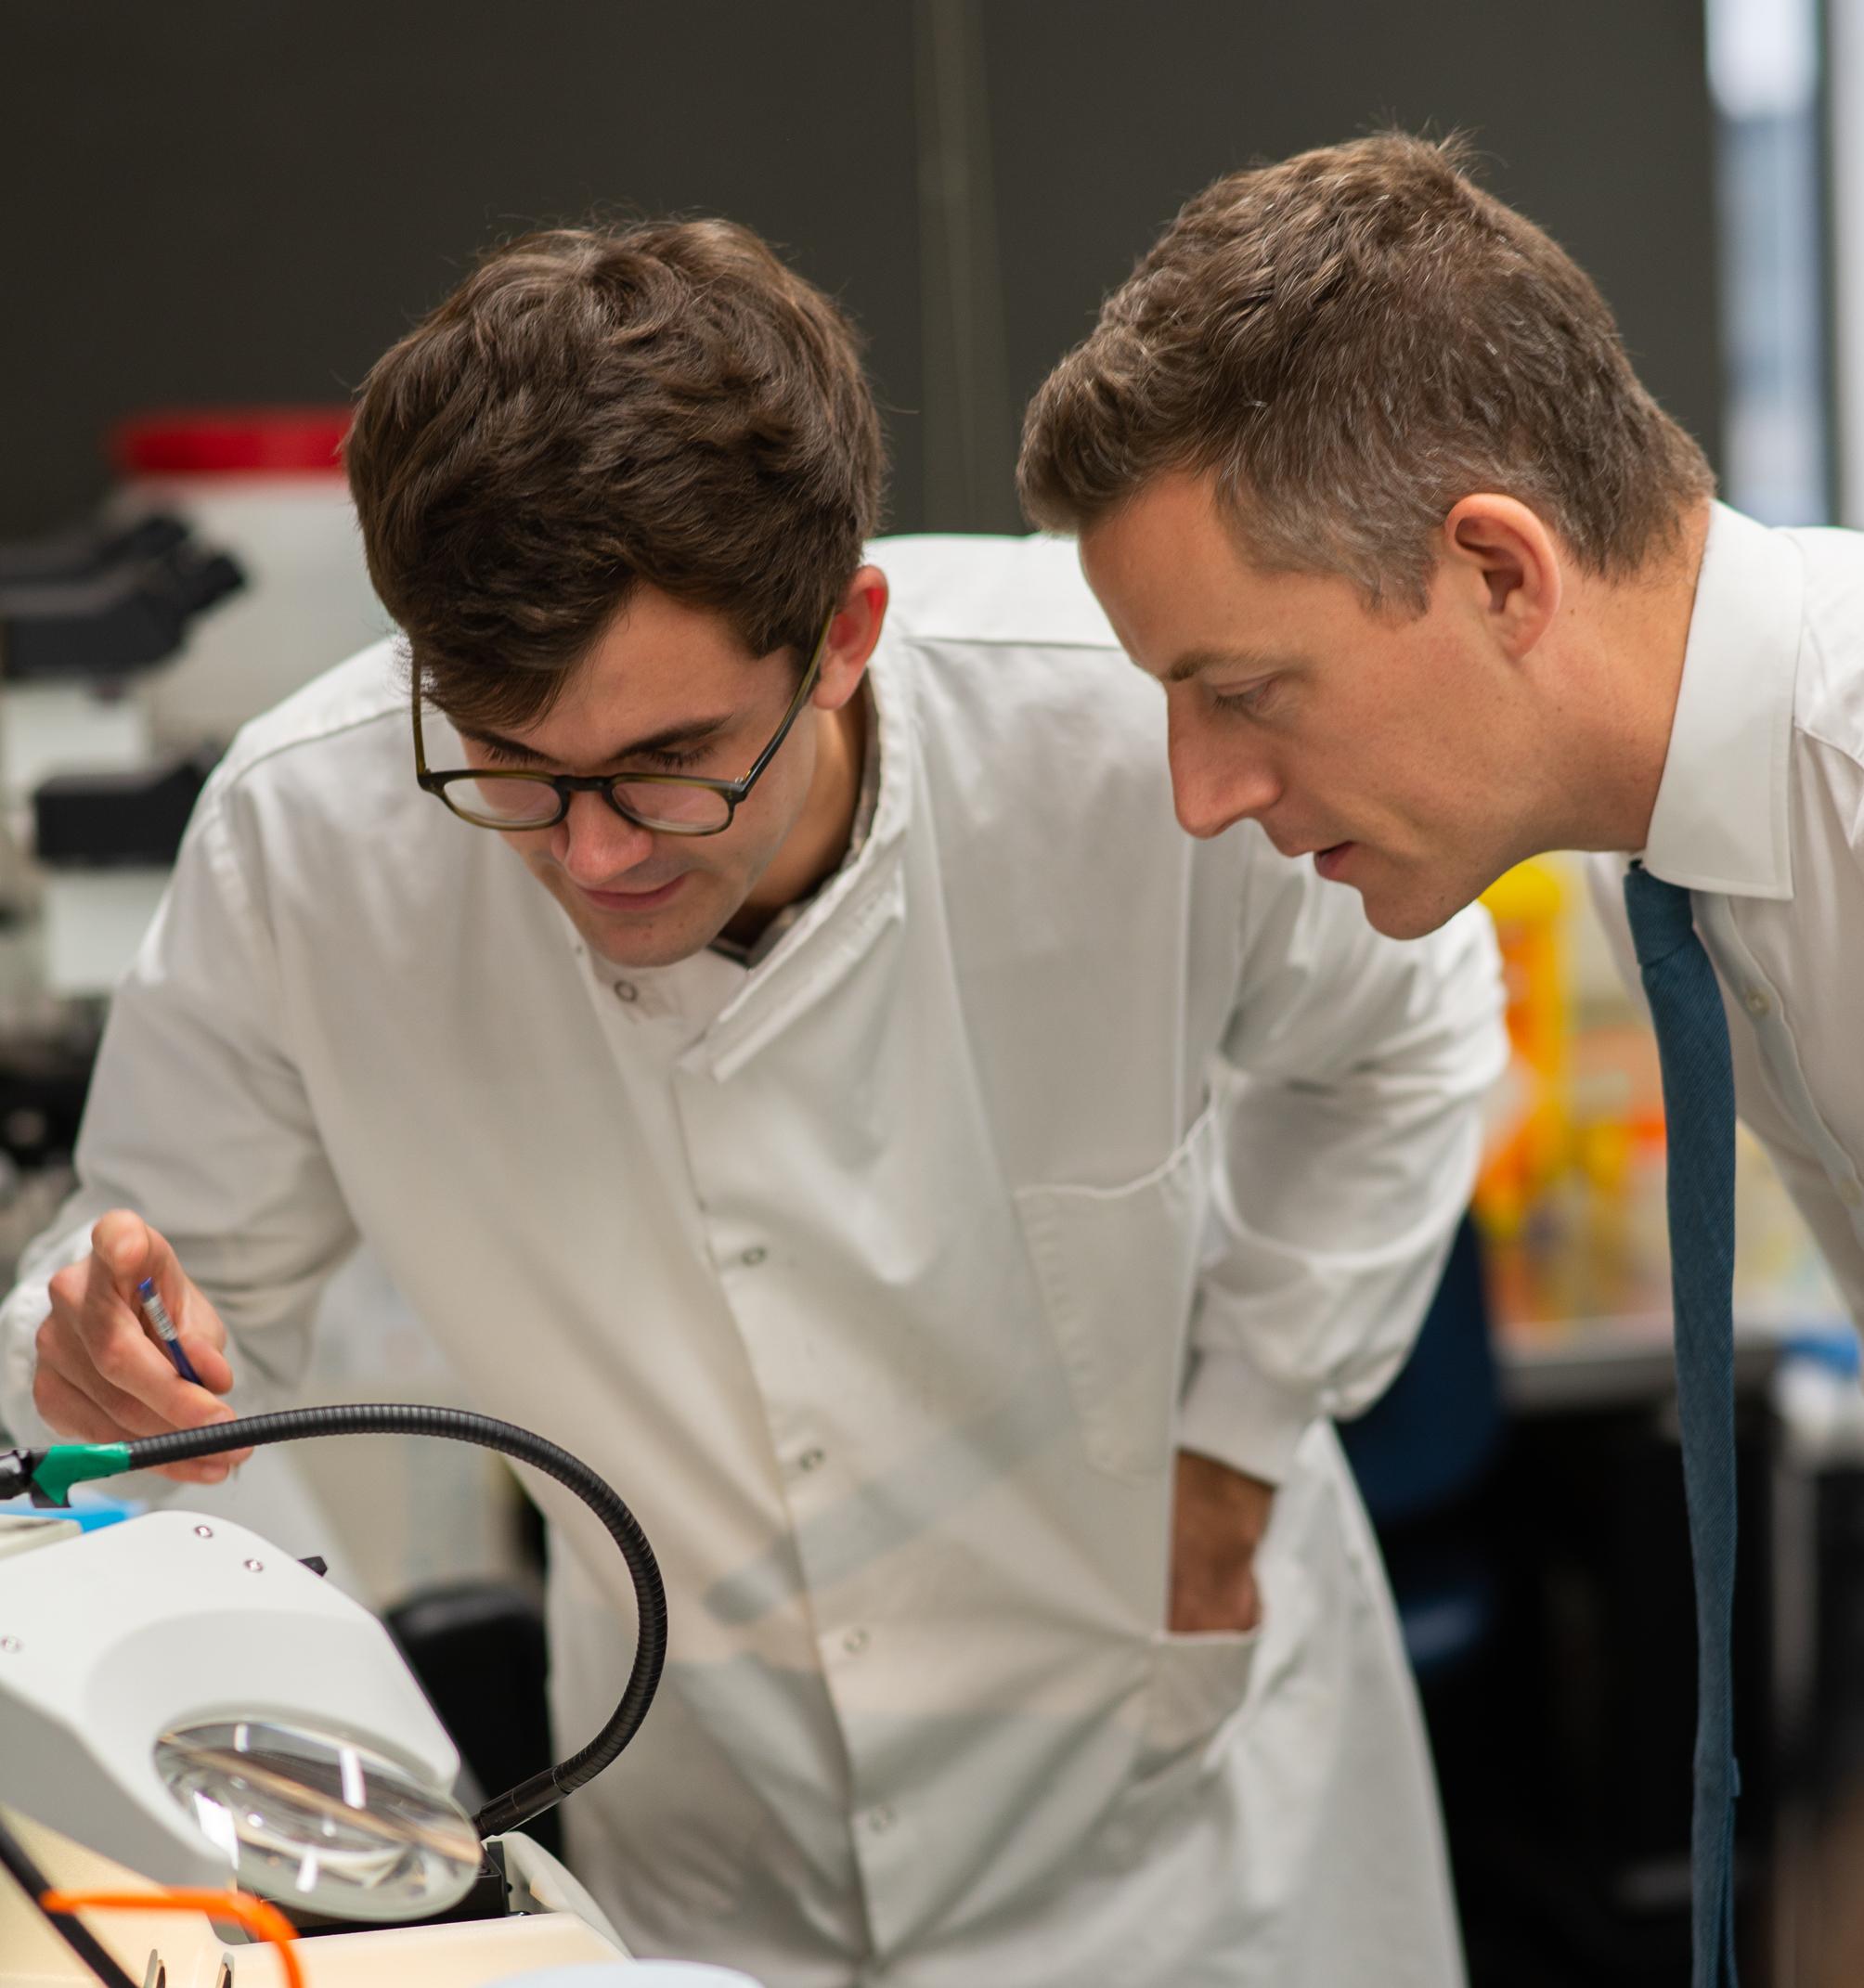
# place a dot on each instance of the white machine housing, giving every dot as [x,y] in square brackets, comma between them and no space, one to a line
[108,1639]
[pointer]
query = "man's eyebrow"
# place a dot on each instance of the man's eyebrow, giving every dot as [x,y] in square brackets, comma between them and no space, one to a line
[1194,662]
[695,731]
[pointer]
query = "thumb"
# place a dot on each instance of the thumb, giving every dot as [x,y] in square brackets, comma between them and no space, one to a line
[123,1241]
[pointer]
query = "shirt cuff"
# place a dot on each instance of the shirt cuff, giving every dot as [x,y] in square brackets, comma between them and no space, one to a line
[1235,1413]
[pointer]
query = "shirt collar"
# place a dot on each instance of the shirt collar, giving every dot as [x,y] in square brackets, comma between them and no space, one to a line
[1721,822]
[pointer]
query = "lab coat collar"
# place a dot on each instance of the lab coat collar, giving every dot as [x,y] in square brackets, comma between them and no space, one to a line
[847,914]
[1721,822]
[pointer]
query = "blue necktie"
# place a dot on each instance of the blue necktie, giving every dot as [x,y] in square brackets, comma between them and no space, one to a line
[1698,1109]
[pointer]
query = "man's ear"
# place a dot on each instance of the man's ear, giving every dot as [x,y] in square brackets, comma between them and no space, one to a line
[1497,555]
[851,637]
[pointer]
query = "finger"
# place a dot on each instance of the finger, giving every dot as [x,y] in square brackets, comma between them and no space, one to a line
[202,1470]
[69,1412]
[127,1416]
[72,1413]
[162,1401]
[127,1251]
[203,1335]
[114,1337]
[129,1359]
[122,1244]
[76,1412]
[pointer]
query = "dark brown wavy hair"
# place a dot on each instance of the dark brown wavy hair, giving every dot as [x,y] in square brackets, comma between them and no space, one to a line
[592,410]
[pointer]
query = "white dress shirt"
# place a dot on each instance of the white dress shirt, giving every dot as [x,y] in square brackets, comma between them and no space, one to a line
[1761,814]
[883,1280]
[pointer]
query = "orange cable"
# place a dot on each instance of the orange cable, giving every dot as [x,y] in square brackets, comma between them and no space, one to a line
[267,1921]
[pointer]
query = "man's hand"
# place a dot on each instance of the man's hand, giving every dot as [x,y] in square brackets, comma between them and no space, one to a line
[103,1377]
[1217,1520]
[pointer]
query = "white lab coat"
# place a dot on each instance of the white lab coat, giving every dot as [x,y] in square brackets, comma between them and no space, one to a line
[1760,813]
[883,1281]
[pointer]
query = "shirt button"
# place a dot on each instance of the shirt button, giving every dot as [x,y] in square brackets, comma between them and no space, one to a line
[1758,1002]
[879,1820]
[812,1460]
[753,1256]
[856,1640]
[626,991]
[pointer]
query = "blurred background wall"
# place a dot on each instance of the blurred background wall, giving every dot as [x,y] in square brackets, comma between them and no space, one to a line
[213,202]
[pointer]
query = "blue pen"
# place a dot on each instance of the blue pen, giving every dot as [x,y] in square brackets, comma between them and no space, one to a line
[155,1312]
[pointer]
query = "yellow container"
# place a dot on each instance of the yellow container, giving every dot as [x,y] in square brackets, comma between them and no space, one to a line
[1530,1137]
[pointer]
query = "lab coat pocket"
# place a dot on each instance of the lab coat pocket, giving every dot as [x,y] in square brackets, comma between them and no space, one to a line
[1118,1268]
[1198,1686]
[1196,1698]
[1223,1711]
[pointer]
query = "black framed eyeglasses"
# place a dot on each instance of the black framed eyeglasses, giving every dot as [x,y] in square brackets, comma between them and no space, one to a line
[669,803]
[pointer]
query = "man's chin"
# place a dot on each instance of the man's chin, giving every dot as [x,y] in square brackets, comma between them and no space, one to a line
[623,941]
[663,938]
[1398,910]
[613,950]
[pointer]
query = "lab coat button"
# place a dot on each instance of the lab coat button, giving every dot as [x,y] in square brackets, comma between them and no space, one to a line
[855,1642]
[811,1459]
[753,1256]
[879,1820]
[626,992]
[1757,1002]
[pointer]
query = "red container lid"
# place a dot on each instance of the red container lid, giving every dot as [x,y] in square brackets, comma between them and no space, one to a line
[230,441]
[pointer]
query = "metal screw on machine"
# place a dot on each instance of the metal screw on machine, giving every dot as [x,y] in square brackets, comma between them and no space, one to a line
[203,1533]
[254,1567]
[11,1645]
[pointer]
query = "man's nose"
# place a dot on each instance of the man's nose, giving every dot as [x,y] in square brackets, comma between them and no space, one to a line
[1215,783]
[594,843]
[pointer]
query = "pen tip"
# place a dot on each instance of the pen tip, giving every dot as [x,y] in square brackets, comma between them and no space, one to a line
[146,1288]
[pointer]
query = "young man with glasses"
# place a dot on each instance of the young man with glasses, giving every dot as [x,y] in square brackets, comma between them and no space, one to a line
[945,1198]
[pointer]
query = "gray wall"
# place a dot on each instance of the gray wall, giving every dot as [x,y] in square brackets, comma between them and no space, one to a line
[215,202]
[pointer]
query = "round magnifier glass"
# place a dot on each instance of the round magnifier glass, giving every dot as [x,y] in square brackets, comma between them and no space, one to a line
[311,1819]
